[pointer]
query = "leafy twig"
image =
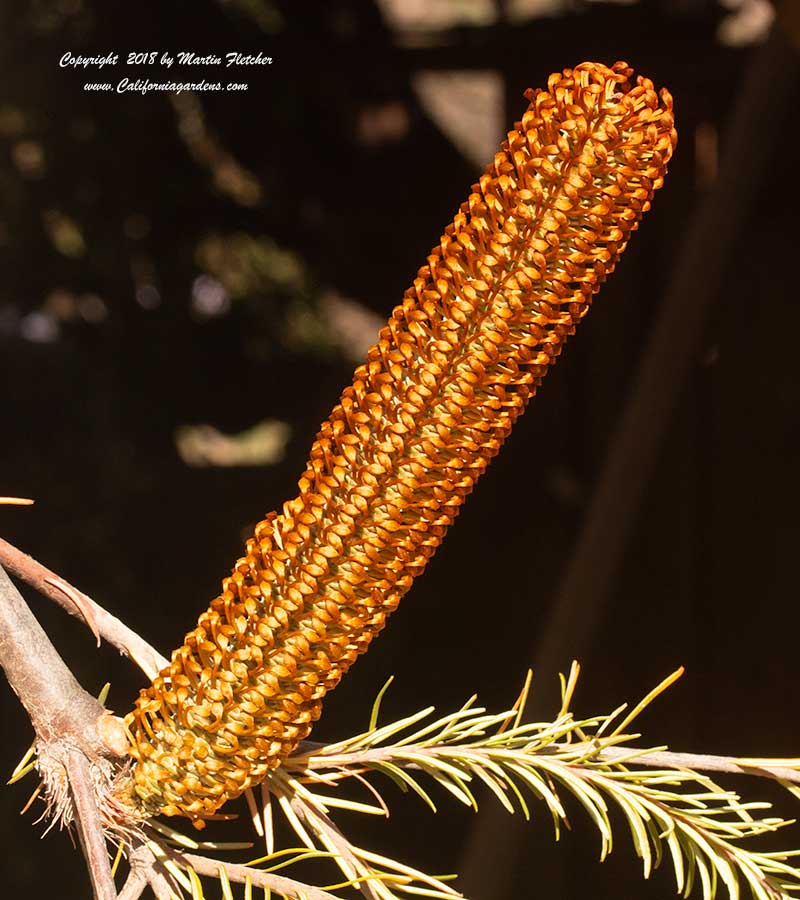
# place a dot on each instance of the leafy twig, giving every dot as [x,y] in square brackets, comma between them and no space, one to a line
[674,811]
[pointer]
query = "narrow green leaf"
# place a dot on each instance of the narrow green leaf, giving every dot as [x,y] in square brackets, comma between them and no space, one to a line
[376,706]
[196,885]
[497,788]
[227,893]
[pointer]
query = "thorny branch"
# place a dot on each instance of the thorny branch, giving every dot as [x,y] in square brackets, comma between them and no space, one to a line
[76,603]
[65,718]
[57,705]
[89,826]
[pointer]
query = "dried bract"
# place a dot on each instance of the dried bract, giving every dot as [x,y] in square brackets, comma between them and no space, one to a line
[450,373]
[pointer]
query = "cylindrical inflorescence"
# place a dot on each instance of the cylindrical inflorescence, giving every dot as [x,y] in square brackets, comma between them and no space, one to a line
[448,377]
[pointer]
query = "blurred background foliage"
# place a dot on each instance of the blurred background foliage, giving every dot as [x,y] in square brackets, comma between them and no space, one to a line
[188,280]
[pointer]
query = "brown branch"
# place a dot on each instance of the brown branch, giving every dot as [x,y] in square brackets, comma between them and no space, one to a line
[55,588]
[278,883]
[73,756]
[161,888]
[134,886]
[145,866]
[57,705]
[321,824]
[89,826]
[310,751]
[700,762]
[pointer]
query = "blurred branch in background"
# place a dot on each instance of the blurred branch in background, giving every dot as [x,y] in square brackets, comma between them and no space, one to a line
[467,106]
[230,176]
[262,445]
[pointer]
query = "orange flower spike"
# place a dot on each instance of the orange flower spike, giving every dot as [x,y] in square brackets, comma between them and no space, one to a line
[451,372]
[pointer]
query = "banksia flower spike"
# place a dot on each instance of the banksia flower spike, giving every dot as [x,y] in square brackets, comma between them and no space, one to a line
[450,373]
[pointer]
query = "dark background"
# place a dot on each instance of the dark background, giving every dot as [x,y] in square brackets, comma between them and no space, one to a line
[172,263]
